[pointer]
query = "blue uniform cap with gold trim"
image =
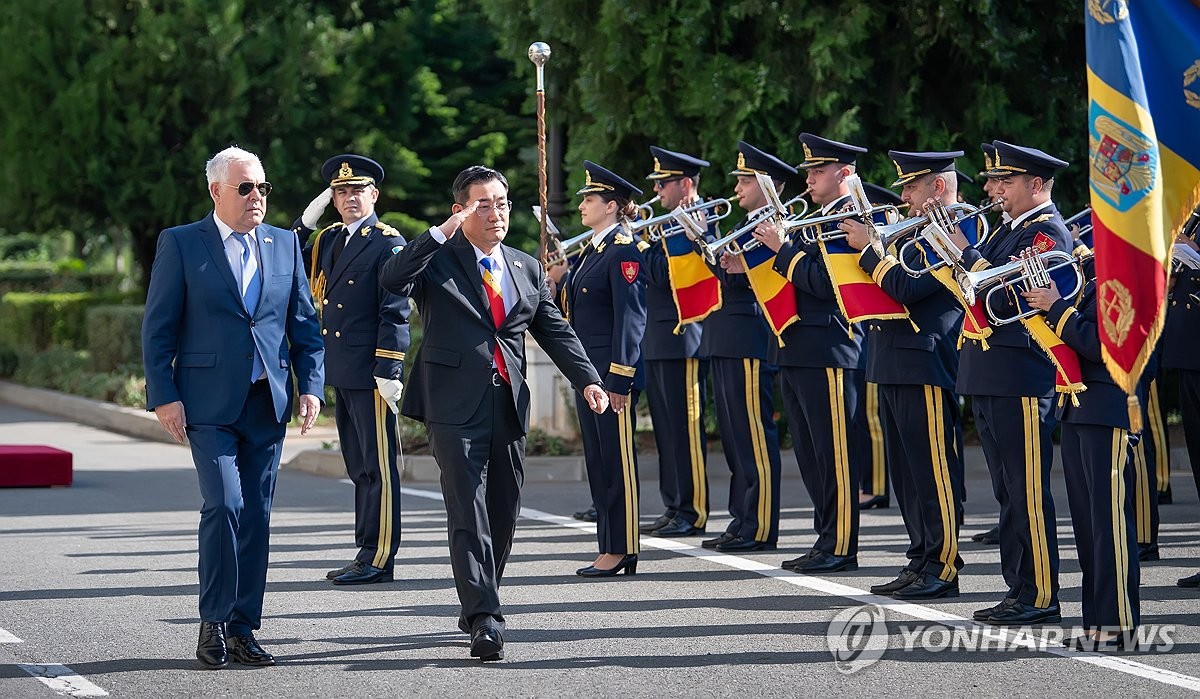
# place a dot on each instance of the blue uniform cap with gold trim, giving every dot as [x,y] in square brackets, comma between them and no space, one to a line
[669,165]
[822,151]
[351,169]
[1021,160]
[751,160]
[989,157]
[598,180]
[910,166]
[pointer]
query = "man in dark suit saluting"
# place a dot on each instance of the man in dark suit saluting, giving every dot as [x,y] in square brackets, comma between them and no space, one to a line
[229,317]
[477,298]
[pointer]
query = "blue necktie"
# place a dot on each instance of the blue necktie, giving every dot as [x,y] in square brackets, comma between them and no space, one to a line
[251,280]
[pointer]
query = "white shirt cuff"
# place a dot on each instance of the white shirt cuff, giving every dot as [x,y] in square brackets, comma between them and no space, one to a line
[437,234]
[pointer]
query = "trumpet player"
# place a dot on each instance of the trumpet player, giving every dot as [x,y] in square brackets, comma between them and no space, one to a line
[675,370]
[818,363]
[1099,477]
[1011,382]
[914,362]
[737,342]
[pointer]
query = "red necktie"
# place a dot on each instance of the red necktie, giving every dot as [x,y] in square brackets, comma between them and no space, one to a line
[492,288]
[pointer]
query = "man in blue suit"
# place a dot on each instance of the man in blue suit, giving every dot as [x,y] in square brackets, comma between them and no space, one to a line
[229,317]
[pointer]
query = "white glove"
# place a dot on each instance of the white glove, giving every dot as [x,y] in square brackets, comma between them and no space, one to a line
[312,213]
[389,391]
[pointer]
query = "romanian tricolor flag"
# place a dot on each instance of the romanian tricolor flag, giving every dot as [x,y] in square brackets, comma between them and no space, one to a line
[775,294]
[1143,119]
[858,295]
[696,289]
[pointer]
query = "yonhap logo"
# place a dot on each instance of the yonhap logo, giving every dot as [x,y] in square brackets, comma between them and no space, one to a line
[857,638]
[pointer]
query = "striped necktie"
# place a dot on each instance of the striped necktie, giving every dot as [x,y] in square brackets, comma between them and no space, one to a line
[491,286]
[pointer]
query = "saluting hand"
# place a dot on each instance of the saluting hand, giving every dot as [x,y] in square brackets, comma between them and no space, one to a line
[452,224]
[596,397]
[1042,298]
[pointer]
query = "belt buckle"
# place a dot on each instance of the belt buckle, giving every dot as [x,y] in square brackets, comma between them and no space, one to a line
[495,378]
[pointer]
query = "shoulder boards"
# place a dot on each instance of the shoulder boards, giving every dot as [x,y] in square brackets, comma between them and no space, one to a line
[1040,219]
[622,239]
[387,230]
[643,246]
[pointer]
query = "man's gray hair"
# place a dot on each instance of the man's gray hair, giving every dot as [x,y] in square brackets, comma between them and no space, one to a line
[217,168]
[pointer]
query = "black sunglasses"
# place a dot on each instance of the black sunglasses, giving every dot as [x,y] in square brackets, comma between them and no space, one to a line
[264,188]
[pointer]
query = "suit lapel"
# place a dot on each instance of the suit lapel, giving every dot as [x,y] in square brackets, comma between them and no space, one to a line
[465,253]
[521,282]
[266,262]
[354,247]
[216,250]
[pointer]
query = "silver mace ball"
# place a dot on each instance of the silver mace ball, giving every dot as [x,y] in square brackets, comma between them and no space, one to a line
[539,53]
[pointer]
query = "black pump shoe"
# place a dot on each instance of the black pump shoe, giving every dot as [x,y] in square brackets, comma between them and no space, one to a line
[628,564]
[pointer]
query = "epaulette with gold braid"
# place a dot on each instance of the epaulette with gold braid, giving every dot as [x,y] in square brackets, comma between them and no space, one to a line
[622,239]
[1040,219]
[387,230]
[643,246]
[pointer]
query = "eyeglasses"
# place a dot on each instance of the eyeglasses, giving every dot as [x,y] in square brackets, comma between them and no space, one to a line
[264,188]
[485,209]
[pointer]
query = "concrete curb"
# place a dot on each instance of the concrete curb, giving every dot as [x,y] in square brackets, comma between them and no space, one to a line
[85,411]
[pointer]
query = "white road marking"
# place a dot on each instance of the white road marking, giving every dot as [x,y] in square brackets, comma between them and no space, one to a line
[63,680]
[6,637]
[917,611]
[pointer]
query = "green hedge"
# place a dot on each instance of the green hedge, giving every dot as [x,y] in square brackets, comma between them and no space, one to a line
[114,336]
[32,322]
[41,276]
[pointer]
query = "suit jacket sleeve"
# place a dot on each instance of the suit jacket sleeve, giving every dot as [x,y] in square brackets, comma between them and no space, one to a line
[393,334]
[898,284]
[402,274]
[160,326]
[804,268]
[306,347]
[629,319]
[1077,328]
[557,339]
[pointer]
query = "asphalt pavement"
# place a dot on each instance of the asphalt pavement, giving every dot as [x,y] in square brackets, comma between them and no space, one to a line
[98,596]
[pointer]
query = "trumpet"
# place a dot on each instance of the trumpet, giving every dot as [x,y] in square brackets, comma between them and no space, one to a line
[935,232]
[1031,270]
[809,227]
[713,210]
[1183,258]
[715,248]
[647,210]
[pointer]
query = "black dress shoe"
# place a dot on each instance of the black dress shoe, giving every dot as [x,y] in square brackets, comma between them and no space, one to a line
[1189,581]
[875,501]
[244,649]
[362,574]
[628,563]
[825,562]
[723,539]
[654,526]
[1018,614]
[340,571]
[678,527]
[740,544]
[928,587]
[1149,552]
[487,644]
[588,515]
[211,650]
[791,563]
[990,537]
[906,578]
[985,614]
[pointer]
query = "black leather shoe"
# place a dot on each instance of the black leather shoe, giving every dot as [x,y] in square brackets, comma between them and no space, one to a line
[678,527]
[211,650]
[928,587]
[340,571]
[723,539]
[363,574]
[825,562]
[1019,614]
[906,578]
[985,614]
[875,501]
[246,651]
[791,563]
[1164,496]
[740,544]
[1149,552]
[1189,581]
[588,515]
[628,563]
[487,644]
[991,537]
[654,526]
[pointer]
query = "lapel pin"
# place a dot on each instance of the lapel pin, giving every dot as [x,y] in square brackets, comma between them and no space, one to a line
[516,263]
[266,240]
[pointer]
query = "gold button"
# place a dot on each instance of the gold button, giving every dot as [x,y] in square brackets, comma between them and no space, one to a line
[338,333]
[326,302]
[585,289]
[340,305]
[351,282]
[324,331]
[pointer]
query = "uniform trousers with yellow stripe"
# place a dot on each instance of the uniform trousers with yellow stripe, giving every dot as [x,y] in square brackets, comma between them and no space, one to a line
[874,472]
[1100,488]
[611,461]
[745,405]
[1015,433]
[675,392]
[829,444]
[920,427]
[367,432]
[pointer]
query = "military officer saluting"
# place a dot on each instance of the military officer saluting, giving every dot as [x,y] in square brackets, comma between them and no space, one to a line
[675,370]
[365,329]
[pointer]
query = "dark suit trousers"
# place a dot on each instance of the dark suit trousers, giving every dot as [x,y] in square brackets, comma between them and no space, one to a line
[919,423]
[1015,432]
[1189,404]
[828,443]
[610,456]
[482,463]
[1100,492]
[675,392]
[367,431]
[236,465]
[745,403]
